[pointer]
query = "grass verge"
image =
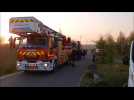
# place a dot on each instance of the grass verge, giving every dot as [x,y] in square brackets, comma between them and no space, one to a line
[113,75]
[7,60]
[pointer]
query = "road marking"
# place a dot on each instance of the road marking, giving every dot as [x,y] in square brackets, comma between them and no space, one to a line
[9,75]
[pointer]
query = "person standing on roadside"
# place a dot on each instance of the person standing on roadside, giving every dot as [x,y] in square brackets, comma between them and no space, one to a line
[11,42]
[93,56]
[73,56]
[93,66]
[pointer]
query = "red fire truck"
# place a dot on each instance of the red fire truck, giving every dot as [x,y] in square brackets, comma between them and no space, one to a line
[40,48]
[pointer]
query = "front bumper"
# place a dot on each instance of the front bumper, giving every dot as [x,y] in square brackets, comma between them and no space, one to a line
[37,66]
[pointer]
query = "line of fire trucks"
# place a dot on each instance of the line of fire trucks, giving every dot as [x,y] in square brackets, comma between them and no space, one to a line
[40,48]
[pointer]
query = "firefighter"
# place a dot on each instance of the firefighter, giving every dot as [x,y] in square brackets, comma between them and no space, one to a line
[11,42]
[14,40]
[79,50]
[73,55]
[93,56]
[83,53]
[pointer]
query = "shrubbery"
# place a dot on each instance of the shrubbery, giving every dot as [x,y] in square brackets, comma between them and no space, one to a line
[115,49]
[7,60]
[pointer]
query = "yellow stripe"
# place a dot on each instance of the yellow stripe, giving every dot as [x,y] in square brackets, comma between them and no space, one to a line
[11,20]
[27,53]
[23,53]
[20,52]
[17,21]
[42,53]
[31,20]
[22,20]
[25,20]
[38,53]
[34,53]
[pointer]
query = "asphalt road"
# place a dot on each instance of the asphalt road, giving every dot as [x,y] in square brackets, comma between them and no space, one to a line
[67,76]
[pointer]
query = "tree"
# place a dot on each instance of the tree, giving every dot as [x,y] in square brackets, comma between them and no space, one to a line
[100,43]
[123,47]
[121,43]
[108,46]
[121,38]
[110,49]
[110,40]
[130,37]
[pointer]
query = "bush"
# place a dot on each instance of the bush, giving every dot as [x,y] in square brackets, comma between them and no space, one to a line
[113,75]
[114,49]
[7,60]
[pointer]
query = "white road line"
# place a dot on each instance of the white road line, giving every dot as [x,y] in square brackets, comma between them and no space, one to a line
[9,75]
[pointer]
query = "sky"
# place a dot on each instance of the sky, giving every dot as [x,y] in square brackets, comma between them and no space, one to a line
[87,25]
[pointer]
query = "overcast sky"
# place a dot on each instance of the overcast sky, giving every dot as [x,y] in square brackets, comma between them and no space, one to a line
[88,25]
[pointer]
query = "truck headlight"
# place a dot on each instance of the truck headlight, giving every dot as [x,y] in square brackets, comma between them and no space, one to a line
[18,64]
[45,65]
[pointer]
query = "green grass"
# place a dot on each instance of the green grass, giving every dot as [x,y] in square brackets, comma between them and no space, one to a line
[7,60]
[113,75]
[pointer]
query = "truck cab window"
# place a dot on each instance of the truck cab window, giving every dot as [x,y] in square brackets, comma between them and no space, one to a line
[37,40]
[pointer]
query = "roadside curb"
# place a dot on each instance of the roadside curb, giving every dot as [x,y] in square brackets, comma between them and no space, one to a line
[9,75]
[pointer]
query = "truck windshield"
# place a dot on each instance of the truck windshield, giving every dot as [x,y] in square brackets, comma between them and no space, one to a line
[35,41]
